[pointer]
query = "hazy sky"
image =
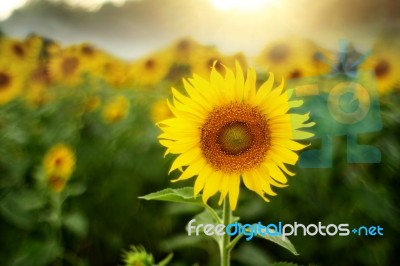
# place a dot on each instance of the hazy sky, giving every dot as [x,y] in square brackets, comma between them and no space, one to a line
[139,27]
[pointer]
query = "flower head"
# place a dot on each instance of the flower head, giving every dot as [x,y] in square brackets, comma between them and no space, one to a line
[116,110]
[226,131]
[385,65]
[137,256]
[59,164]
[10,83]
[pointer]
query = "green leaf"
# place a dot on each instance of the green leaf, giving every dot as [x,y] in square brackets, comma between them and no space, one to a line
[76,223]
[283,264]
[167,260]
[13,212]
[285,242]
[250,254]
[74,189]
[37,253]
[183,195]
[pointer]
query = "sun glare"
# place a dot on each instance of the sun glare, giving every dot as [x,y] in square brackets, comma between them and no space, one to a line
[7,7]
[241,4]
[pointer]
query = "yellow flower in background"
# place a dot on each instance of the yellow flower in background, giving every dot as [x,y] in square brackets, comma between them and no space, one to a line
[226,131]
[205,59]
[116,72]
[92,103]
[160,111]
[116,110]
[59,164]
[92,59]
[34,45]
[184,50]
[294,57]
[385,65]
[52,48]
[11,83]
[18,54]
[65,68]
[37,91]
[152,69]
[37,95]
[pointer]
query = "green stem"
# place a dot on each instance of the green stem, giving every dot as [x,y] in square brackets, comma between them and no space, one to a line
[234,241]
[224,245]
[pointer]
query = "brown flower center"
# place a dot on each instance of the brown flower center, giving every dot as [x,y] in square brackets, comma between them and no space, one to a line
[218,65]
[278,53]
[5,80]
[382,69]
[296,73]
[183,45]
[69,65]
[18,50]
[150,64]
[88,50]
[235,138]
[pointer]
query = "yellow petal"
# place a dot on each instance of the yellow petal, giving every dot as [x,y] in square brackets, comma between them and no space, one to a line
[234,184]
[211,185]
[224,188]
[191,170]
[250,86]
[186,159]
[275,172]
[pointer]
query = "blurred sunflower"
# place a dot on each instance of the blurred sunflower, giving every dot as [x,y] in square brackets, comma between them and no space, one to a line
[226,129]
[184,49]
[59,164]
[160,111]
[19,53]
[92,59]
[65,68]
[152,69]
[11,83]
[116,110]
[37,90]
[92,103]
[385,64]
[115,72]
[34,45]
[206,59]
[285,57]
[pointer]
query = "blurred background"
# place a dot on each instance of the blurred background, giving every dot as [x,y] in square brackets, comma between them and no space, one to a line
[83,83]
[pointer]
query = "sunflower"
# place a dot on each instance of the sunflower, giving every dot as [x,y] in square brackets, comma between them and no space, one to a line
[152,69]
[206,59]
[92,59]
[59,164]
[284,56]
[37,90]
[385,65]
[59,160]
[10,83]
[116,110]
[66,68]
[22,55]
[184,49]
[115,72]
[226,131]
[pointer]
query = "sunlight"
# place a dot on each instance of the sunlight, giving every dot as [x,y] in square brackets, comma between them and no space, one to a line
[7,7]
[241,4]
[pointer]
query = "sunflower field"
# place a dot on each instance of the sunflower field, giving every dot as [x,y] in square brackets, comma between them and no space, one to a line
[80,135]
